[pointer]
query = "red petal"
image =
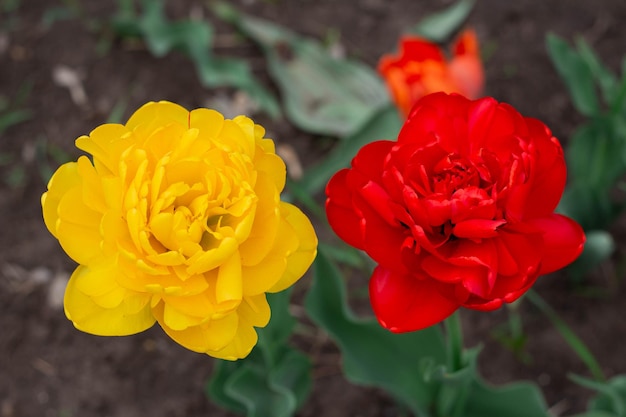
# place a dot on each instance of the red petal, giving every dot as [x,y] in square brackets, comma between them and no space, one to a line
[382,242]
[437,113]
[340,211]
[549,174]
[477,228]
[563,240]
[370,159]
[405,303]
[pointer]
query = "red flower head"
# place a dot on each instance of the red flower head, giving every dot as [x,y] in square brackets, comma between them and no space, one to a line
[422,68]
[459,212]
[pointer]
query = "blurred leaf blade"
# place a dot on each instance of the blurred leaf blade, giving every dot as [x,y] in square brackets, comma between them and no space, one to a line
[13,117]
[195,39]
[321,94]
[610,397]
[520,399]
[575,343]
[385,124]
[575,73]
[605,79]
[274,380]
[372,355]
[439,27]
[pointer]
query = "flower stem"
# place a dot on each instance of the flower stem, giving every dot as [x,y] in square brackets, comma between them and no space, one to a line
[454,335]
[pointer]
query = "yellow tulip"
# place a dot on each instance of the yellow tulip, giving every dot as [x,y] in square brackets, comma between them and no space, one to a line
[177,219]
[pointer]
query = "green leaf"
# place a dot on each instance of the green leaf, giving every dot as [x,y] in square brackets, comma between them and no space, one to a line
[264,394]
[373,356]
[575,73]
[611,397]
[13,117]
[465,394]
[223,373]
[385,124]
[273,338]
[274,380]
[194,39]
[439,27]
[321,94]
[574,342]
[411,366]
[618,106]
[520,399]
[605,79]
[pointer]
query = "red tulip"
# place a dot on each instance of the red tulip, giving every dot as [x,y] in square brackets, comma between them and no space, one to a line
[458,212]
[422,68]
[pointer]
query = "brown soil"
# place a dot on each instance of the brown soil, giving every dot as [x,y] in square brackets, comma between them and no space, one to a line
[47,368]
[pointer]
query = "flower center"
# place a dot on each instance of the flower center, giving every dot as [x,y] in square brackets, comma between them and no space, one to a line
[453,173]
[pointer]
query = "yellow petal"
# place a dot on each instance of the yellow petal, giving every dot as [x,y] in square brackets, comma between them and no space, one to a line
[177,320]
[274,167]
[255,310]
[201,306]
[93,193]
[212,335]
[236,137]
[264,275]
[106,143]
[64,179]
[299,261]
[228,291]
[78,228]
[97,280]
[153,115]
[239,346]
[205,261]
[265,226]
[209,122]
[169,258]
[92,318]
[165,139]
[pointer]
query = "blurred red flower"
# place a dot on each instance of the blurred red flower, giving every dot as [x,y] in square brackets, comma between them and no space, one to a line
[459,212]
[421,68]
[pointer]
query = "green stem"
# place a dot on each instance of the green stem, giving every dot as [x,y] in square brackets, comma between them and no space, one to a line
[454,336]
[575,343]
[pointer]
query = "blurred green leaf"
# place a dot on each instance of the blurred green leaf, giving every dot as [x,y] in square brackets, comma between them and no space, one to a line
[410,366]
[372,355]
[321,94]
[596,155]
[13,117]
[605,79]
[439,27]
[385,124]
[618,106]
[575,73]
[345,254]
[193,38]
[574,342]
[611,398]
[274,380]
[224,373]
[54,14]
[520,399]
[16,176]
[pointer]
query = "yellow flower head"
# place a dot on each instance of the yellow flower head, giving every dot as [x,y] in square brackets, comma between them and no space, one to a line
[177,220]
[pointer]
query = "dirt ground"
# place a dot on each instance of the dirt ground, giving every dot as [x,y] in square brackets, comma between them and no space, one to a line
[47,368]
